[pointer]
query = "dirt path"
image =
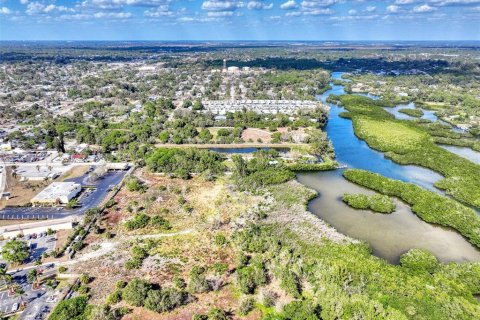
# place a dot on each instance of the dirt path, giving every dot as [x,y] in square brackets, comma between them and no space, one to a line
[107,247]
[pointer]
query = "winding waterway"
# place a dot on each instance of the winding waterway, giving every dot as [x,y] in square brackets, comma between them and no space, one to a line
[388,235]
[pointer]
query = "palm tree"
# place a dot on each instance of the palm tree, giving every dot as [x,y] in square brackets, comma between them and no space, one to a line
[19,292]
[32,277]
[4,275]
[51,284]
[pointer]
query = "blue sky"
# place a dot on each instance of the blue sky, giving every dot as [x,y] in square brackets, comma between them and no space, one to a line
[239,20]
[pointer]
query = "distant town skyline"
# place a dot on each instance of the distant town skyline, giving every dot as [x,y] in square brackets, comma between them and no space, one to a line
[239,20]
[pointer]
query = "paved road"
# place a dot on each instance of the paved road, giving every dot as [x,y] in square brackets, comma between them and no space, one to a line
[88,199]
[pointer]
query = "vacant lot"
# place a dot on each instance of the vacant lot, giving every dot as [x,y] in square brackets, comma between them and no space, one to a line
[253,135]
[21,191]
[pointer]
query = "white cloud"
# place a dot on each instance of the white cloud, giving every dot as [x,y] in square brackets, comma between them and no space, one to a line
[220,14]
[110,4]
[5,10]
[393,9]
[98,15]
[352,11]
[317,12]
[23,1]
[318,3]
[258,5]
[423,8]
[402,2]
[39,8]
[113,15]
[370,9]
[160,11]
[217,5]
[453,2]
[291,4]
[293,14]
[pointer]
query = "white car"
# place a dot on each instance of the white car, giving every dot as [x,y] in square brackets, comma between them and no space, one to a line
[15,307]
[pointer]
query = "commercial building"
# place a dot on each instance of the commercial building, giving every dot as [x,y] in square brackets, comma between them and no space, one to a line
[57,193]
[233,69]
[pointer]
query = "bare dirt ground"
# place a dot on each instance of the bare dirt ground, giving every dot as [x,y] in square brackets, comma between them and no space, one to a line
[4,223]
[253,134]
[21,191]
[74,172]
[62,236]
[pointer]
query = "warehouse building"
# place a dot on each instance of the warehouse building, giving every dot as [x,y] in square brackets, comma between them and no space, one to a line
[57,193]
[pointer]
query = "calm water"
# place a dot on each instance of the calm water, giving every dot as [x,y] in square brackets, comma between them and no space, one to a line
[388,235]
[427,115]
[355,153]
[464,152]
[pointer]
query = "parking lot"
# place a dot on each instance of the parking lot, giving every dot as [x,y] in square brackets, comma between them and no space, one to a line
[90,199]
[38,301]
[38,245]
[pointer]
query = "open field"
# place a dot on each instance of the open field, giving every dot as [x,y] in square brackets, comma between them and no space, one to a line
[253,134]
[21,191]
[75,172]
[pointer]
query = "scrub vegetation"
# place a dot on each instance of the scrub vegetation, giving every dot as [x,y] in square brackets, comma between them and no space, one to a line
[417,113]
[260,255]
[377,202]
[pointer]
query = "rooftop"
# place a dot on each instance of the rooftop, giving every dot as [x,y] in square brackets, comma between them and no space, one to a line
[57,190]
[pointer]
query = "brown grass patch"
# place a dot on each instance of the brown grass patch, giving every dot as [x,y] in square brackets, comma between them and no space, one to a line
[75,172]
[21,191]
[254,134]
[62,236]
[4,223]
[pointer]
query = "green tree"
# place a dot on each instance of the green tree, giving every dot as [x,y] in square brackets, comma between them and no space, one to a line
[136,291]
[197,105]
[71,309]
[417,260]
[15,251]
[165,299]
[32,276]
[4,276]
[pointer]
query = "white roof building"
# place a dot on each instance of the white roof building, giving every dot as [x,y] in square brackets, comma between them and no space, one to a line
[221,107]
[233,69]
[57,192]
